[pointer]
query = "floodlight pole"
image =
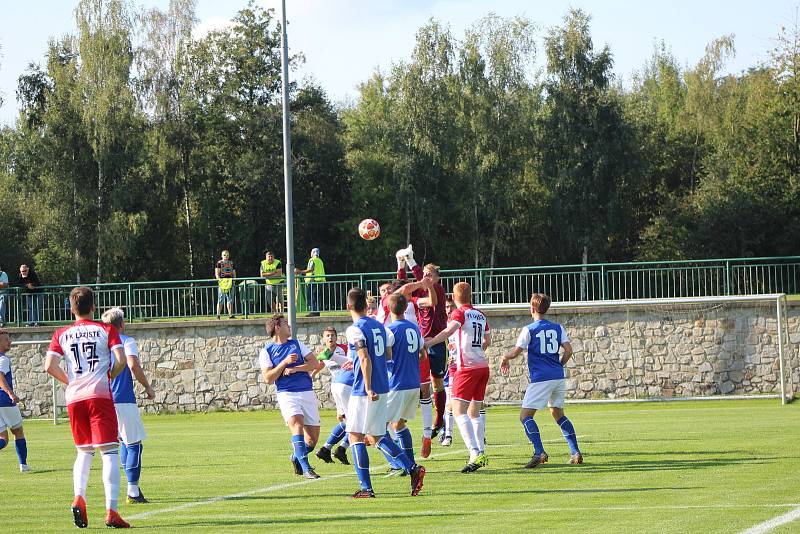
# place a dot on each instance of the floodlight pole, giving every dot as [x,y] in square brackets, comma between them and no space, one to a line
[287,173]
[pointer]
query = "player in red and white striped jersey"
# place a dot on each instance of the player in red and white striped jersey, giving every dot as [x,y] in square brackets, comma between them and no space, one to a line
[93,355]
[468,387]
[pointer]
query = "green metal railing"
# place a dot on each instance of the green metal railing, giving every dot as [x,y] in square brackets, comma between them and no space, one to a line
[178,299]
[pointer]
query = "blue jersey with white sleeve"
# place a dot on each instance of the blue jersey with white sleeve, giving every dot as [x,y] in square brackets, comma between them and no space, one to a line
[122,384]
[5,368]
[339,375]
[274,353]
[543,339]
[404,366]
[376,339]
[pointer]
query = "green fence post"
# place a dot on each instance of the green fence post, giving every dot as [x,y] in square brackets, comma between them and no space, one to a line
[727,277]
[603,283]
[131,306]
[481,288]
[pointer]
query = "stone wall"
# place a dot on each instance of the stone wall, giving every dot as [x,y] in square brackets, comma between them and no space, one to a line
[660,352]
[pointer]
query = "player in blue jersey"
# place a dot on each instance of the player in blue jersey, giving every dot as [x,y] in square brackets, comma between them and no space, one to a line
[287,363]
[370,346]
[129,420]
[334,357]
[404,376]
[10,416]
[543,340]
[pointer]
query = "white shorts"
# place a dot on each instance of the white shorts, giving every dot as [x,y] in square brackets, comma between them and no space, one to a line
[403,404]
[341,396]
[10,417]
[129,422]
[302,403]
[549,393]
[365,416]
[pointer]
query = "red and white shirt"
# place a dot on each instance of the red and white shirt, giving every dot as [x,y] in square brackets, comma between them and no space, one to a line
[383,316]
[467,346]
[87,349]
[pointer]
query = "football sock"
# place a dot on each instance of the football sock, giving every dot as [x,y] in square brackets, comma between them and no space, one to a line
[22,449]
[337,433]
[467,434]
[482,420]
[300,451]
[448,423]
[477,428]
[390,448]
[80,471]
[440,399]
[406,443]
[569,434]
[361,464]
[3,444]
[310,448]
[532,431]
[346,440]
[389,458]
[111,478]
[427,416]
[123,454]
[133,466]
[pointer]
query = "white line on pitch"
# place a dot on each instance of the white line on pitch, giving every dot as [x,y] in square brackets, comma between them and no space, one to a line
[774,523]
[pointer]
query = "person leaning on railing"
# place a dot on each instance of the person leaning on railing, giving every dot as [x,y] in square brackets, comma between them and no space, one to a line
[31,288]
[315,273]
[225,273]
[272,272]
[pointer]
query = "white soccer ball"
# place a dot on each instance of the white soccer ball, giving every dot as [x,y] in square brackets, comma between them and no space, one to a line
[369,229]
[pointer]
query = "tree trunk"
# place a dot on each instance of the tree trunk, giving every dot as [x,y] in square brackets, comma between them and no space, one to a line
[100,186]
[584,261]
[187,210]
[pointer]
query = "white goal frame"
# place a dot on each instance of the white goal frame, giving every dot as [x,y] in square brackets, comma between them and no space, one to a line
[778,299]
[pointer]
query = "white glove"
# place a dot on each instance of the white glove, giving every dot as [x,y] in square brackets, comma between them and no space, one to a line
[401,255]
[401,264]
[410,257]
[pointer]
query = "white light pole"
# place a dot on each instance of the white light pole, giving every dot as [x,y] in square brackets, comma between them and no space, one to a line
[287,172]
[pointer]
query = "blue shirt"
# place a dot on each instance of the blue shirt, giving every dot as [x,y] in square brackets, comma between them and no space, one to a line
[5,368]
[376,339]
[543,339]
[274,353]
[122,384]
[404,366]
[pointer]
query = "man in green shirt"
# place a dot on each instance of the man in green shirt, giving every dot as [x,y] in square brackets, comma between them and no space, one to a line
[272,272]
[315,273]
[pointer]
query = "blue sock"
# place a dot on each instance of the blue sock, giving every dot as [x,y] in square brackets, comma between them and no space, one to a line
[532,431]
[406,443]
[569,434]
[3,444]
[123,454]
[361,464]
[22,450]
[301,451]
[133,462]
[390,449]
[346,441]
[393,463]
[310,448]
[337,433]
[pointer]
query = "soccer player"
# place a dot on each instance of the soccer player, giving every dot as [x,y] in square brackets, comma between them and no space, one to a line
[368,410]
[129,420]
[472,375]
[543,339]
[287,362]
[93,355]
[10,416]
[431,321]
[404,372]
[334,357]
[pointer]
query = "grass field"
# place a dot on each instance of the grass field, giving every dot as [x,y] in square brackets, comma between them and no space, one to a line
[677,467]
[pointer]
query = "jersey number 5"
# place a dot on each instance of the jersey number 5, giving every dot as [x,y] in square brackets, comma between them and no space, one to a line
[379,343]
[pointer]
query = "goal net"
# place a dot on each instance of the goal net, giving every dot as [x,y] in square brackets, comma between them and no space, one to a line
[676,349]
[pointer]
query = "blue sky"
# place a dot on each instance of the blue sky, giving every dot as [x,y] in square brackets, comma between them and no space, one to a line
[344,41]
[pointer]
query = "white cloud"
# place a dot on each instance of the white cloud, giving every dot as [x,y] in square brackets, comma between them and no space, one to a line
[206,26]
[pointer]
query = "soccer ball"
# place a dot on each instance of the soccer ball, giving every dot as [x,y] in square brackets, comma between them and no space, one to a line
[369,229]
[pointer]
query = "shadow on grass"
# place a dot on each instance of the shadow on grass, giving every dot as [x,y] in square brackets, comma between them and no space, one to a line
[570,491]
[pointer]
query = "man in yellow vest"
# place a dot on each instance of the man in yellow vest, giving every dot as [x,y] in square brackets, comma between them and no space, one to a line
[315,273]
[272,273]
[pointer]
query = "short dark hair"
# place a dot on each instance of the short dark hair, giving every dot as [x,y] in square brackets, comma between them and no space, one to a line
[81,300]
[540,303]
[330,329]
[357,299]
[398,303]
[273,322]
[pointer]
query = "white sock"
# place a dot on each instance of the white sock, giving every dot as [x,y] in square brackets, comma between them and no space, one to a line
[80,472]
[426,408]
[468,435]
[111,478]
[478,429]
[133,490]
[448,423]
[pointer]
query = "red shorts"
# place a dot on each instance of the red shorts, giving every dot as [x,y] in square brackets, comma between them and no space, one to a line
[425,371]
[93,422]
[469,384]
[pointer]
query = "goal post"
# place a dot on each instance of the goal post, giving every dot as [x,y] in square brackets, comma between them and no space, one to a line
[692,348]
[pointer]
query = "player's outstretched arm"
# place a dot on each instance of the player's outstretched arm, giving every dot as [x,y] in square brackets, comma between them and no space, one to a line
[54,369]
[452,326]
[567,346]
[504,365]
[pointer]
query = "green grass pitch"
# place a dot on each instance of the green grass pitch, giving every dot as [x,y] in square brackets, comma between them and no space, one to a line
[650,467]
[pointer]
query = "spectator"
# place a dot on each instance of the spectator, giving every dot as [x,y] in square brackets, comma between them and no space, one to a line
[31,288]
[3,297]
[272,272]
[315,273]
[225,273]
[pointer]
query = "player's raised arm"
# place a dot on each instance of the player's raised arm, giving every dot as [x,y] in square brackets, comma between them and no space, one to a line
[271,374]
[452,326]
